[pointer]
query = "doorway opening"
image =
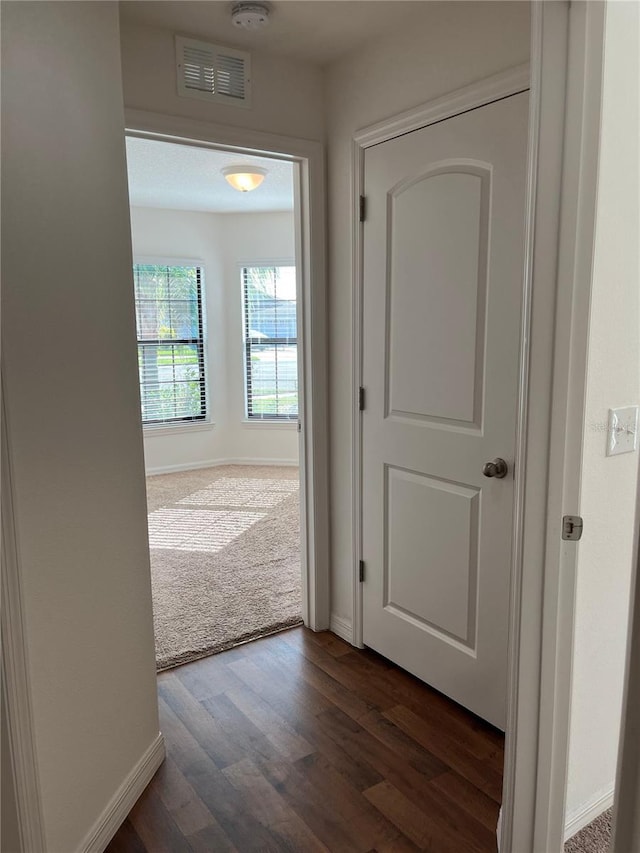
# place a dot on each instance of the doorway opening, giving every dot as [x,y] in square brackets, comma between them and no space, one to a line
[218,308]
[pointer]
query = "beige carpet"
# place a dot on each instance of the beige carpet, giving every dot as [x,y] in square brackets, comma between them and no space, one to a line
[225,558]
[594,838]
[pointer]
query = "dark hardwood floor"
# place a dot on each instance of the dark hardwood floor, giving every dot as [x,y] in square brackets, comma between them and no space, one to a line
[298,742]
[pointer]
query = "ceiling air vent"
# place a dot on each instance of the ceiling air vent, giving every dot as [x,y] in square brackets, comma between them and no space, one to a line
[213,73]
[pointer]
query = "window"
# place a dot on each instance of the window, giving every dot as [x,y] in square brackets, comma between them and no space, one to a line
[270,342]
[170,342]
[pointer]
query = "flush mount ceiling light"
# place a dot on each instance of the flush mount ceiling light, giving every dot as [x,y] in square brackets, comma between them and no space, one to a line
[244,178]
[250,16]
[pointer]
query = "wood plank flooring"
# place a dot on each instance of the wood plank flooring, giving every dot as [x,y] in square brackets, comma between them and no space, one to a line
[298,742]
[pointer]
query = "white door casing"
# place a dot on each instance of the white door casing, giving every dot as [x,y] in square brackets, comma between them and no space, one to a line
[310,203]
[443,268]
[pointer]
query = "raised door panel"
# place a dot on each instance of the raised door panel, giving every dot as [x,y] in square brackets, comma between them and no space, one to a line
[436,294]
[431,560]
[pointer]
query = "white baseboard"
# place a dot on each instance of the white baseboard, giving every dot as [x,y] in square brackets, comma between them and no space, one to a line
[124,799]
[583,815]
[215,463]
[341,627]
[245,460]
[185,466]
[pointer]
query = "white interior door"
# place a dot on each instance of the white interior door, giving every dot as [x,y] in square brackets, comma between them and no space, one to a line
[443,273]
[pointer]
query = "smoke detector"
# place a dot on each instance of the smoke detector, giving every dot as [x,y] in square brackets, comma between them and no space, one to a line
[250,16]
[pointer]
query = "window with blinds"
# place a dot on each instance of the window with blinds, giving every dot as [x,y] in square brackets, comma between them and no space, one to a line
[270,342]
[170,332]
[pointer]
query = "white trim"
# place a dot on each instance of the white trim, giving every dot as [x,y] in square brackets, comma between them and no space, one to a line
[357,249]
[216,463]
[248,460]
[266,262]
[166,260]
[583,815]
[178,429]
[482,92]
[583,55]
[270,423]
[546,127]
[567,63]
[341,627]
[309,193]
[313,407]
[15,672]
[478,94]
[189,131]
[124,799]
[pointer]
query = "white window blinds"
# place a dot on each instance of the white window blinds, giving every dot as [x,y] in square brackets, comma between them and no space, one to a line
[170,334]
[270,342]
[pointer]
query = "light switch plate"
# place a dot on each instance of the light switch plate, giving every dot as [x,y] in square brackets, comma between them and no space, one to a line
[622,436]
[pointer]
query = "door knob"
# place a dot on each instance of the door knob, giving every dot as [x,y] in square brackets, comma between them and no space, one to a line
[498,468]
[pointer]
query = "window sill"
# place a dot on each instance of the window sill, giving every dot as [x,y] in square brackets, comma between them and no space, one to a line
[177,429]
[265,423]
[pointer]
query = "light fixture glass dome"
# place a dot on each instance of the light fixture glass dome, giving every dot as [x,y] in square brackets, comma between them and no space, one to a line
[244,178]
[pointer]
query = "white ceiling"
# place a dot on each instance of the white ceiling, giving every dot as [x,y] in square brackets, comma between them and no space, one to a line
[183,177]
[318,31]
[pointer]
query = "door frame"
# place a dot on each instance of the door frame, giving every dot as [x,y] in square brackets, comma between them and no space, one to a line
[489,90]
[568,41]
[564,120]
[479,94]
[309,181]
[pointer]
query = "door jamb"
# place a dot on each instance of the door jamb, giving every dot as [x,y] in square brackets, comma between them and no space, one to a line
[310,258]
[568,44]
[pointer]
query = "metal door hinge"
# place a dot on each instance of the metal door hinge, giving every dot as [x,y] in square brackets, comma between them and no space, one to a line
[361,571]
[363,208]
[572,526]
[361,398]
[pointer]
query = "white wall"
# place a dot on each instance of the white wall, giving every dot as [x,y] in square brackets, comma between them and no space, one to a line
[609,483]
[448,46]
[252,238]
[69,377]
[287,95]
[222,242]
